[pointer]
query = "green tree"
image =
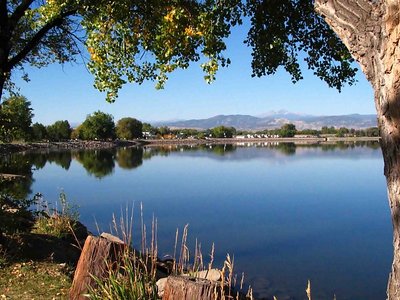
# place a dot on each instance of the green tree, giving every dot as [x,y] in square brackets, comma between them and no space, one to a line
[342,131]
[328,130]
[39,132]
[223,132]
[59,131]
[115,33]
[287,130]
[372,131]
[77,133]
[98,126]
[15,119]
[146,127]
[163,130]
[128,128]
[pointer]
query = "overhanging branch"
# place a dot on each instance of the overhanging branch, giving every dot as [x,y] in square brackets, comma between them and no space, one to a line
[19,13]
[37,38]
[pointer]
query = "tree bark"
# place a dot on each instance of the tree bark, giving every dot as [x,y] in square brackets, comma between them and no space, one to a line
[98,254]
[187,288]
[4,45]
[371,32]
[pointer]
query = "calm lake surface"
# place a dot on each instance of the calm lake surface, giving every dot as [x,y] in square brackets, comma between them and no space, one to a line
[288,213]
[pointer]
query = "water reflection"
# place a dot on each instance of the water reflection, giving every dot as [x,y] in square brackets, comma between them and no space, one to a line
[98,163]
[101,163]
[16,164]
[289,212]
[129,158]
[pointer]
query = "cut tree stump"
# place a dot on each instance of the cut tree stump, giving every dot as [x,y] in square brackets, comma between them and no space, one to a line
[189,288]
[97,255]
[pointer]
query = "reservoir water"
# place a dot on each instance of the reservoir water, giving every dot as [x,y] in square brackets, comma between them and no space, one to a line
[287,212]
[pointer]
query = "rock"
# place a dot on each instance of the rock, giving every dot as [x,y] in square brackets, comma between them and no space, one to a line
[213,274]
[161,286]
[111,238]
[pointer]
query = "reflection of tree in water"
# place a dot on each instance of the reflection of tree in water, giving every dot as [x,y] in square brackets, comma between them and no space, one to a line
[16,164]
[129,158]
[60,158]
[98,163]
[350,145]
[369,144]
[286,148]
[158,151]
[223,149]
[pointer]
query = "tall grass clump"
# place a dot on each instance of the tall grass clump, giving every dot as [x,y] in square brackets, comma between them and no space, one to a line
[134,274]
[55,221]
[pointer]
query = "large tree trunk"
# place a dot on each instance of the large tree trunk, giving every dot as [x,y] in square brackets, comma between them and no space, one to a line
[371,31]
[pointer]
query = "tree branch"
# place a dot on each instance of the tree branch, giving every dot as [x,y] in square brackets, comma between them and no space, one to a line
[19,13]
[37,38]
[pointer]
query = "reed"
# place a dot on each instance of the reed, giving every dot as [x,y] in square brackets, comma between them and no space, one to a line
[134,275]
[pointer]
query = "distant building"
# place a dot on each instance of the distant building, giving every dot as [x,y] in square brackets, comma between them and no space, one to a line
[148,135]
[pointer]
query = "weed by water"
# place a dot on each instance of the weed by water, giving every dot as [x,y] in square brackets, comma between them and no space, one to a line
[55,221]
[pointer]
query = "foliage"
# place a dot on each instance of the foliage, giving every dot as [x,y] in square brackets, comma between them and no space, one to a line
[287,130]
[128,41]
[134,41]
[223,132]
[137,282]
[342,131]
[97,126]
[163,130]
[15,119]
[39,132]
[59,131]
[128,128]
[146,127]
[77,133]
[284,30]
[328,130]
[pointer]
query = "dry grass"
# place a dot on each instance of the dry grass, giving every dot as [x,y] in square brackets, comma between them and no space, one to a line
[135,274]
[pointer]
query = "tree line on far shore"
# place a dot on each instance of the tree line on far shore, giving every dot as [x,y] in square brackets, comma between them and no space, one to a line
[16,125]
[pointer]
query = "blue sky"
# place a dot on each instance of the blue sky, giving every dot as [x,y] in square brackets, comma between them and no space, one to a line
[66,92]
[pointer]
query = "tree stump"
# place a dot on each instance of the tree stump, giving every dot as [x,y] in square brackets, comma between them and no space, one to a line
[189,288]
[98,254]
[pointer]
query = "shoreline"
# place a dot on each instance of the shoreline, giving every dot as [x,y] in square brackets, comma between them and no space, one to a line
[309,140]
[7,148]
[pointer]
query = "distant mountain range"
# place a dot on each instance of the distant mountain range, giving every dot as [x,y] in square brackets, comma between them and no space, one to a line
[275,120]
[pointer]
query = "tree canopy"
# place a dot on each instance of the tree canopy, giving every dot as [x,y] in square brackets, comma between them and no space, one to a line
[128,128]
[283,31]
[288,130]
[97,126]
[133,41]
[15,119]
[128,41]
[223,132]
[60,130]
